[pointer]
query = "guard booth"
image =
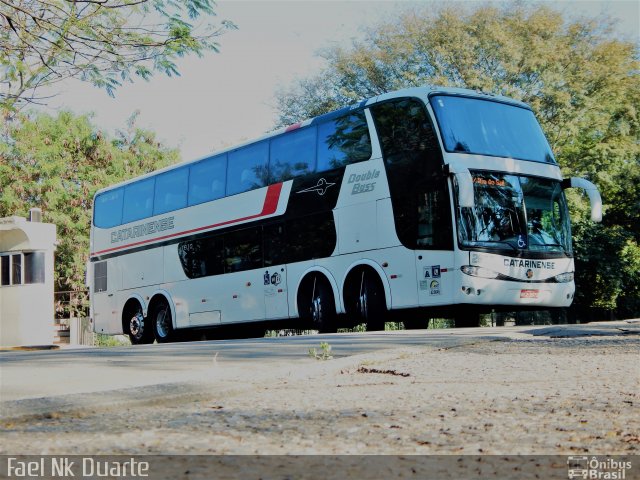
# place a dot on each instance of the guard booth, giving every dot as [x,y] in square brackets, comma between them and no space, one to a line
[26,281]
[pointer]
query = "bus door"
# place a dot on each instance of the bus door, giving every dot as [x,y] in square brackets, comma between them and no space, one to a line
[243,277]
[274,281]
[434,246]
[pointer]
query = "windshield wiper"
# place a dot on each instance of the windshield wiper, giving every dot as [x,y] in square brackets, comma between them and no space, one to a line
[491,244]
[513,247]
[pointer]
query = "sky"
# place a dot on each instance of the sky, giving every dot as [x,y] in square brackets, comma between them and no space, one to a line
[225,98]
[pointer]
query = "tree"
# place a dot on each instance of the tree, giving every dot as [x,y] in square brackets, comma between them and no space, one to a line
[103,42]
[57,164]
[581,81]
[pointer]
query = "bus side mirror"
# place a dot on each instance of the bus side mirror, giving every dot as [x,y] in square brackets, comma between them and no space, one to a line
[592,191]
[465,184]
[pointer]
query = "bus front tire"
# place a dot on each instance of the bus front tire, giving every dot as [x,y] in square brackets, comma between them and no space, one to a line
[162,322]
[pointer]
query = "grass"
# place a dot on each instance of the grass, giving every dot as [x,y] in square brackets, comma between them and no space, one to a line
[101,340]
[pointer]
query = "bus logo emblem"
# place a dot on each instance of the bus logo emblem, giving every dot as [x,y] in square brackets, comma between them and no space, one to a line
[320,188]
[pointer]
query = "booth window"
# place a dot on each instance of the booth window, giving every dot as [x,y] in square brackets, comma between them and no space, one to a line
[16,269]
[34,267]
[19,268]
[5,267]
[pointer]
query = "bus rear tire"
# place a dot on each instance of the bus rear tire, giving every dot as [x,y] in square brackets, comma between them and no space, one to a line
[162,322]
[137,327]
[370,305]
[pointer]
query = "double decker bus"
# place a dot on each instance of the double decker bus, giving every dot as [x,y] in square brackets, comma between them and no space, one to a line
[421,202]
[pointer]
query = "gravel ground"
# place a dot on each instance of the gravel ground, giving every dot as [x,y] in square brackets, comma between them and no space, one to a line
[565,396]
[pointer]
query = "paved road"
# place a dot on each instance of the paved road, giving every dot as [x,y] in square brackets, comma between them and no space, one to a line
[49,373]
[34,382]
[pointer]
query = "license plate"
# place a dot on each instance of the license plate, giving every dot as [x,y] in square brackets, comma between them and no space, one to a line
[528,293]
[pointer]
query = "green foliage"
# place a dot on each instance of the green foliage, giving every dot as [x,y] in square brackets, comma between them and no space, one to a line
[441,323]
[101,340]
[57,164]
[580,79]
[608,261]
[103,42]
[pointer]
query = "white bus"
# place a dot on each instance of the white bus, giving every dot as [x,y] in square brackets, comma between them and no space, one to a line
[421,202]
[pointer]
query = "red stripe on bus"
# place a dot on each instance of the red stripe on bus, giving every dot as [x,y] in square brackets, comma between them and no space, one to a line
[270,206]
[271,199]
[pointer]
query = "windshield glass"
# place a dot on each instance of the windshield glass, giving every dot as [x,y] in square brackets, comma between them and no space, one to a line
[484,127]
[516,213]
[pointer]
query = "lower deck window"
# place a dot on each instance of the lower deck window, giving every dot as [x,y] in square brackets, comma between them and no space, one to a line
[305,238]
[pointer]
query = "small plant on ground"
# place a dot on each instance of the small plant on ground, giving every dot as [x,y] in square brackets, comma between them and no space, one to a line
[323,354]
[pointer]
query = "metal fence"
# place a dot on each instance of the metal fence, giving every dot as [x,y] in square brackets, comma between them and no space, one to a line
[71,304]
[72,312]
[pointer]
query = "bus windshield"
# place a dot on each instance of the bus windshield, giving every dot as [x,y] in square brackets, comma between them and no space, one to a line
[485,127]
[516,213]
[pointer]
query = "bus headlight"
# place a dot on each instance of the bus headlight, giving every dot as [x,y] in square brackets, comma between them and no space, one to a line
[478,271]
[564,277]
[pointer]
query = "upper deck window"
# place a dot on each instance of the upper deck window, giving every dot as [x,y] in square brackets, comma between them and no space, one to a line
[485,127]
[207,179]
[404,130]
[108,208]
[335,142]
[171,191]
[248,168]
[343,141]
[138,200]
[292,154]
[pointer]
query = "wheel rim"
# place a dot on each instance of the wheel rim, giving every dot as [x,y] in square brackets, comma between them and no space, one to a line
[162,326]
[136,325]
[363,299]
[316,311]
[363,305]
